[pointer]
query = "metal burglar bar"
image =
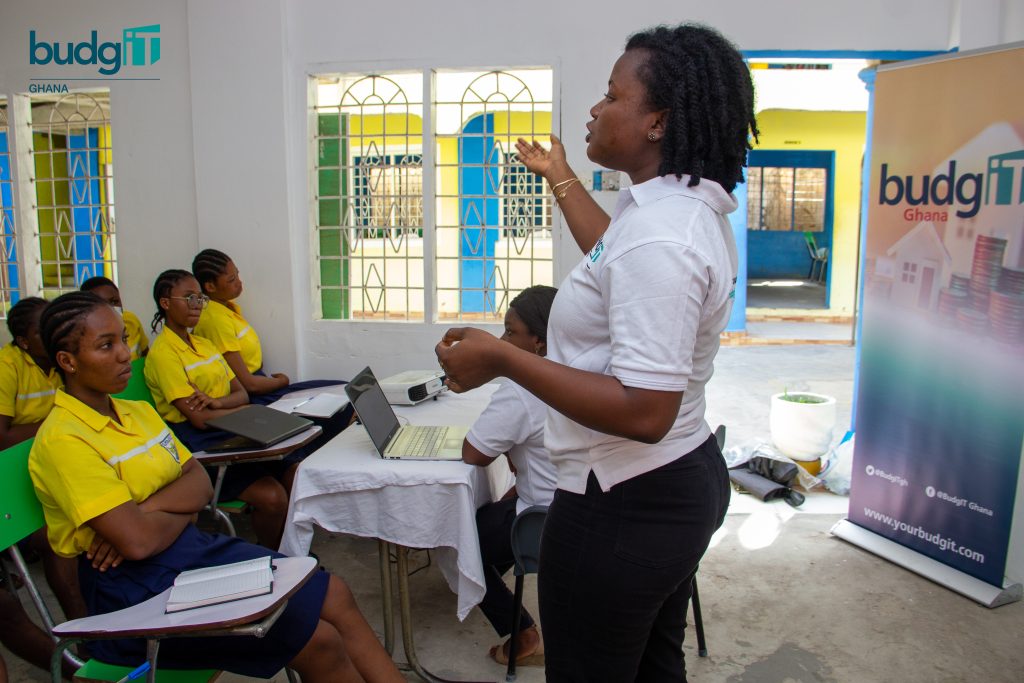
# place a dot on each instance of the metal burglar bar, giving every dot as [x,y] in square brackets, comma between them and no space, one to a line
[783,198]
[74,189]
[493,235]
[8,245]
[369,196]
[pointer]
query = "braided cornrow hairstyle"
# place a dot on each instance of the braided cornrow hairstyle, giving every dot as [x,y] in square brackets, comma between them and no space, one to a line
[208,265]
[162,287]
[22,315]
[703,82]
[97,282]
[533,306]
[63,321]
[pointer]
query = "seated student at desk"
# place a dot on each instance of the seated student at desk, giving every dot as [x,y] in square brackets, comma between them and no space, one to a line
[105,289]
[128,518]
[191,384]
[223,324]
[513,423]
[28,383]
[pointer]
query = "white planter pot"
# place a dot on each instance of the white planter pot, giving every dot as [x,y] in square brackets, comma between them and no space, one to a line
[802,431]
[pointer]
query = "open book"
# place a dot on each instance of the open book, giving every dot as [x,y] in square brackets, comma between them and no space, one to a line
[319,405]
[223,583]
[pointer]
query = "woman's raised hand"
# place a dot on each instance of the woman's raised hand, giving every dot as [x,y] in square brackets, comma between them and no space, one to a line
[469,357]
[543,161]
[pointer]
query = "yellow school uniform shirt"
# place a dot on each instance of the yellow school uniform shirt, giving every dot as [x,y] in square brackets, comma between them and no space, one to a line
[225,327]
[172,364]
[26,392]
[84,464]
[138,342]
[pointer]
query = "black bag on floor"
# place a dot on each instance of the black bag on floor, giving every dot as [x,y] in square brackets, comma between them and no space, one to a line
[768,479]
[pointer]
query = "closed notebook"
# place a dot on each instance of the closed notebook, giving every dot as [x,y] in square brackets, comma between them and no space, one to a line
[223,583]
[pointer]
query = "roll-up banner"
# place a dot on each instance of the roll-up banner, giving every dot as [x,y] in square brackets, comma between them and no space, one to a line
[940,407]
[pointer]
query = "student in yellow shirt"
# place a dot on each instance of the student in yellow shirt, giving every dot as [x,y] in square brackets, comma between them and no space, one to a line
[119,492]
[105,289]
[28,381]
[191,384]
[222,323]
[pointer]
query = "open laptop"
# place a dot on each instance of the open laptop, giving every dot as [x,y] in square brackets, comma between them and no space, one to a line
[256,426]
[390,438]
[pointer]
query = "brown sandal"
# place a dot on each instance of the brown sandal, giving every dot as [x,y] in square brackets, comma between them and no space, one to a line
[500,654]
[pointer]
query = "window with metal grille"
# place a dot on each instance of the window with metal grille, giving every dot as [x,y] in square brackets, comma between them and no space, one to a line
[784,198]
[378,218]
[71,154]
[9,286]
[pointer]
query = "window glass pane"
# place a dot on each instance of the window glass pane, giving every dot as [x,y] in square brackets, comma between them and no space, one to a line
[777,198]
[71,150]
[8,251]
[369,195]
[809,199]
[493,235]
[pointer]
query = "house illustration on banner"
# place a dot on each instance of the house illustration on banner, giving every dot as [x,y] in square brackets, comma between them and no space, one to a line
[998,154]
[917,265]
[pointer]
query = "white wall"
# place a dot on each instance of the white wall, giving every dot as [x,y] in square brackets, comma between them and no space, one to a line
[215,153]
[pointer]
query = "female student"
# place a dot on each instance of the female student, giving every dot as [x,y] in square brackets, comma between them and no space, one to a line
[191,384]
[222,323]
[513,423]
[28,381]
[105,289]
[632,337]
[119,491]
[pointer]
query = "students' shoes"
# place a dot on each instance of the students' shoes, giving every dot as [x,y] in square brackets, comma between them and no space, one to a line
[535,657]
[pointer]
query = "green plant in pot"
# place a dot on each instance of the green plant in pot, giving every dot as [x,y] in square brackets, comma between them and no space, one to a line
[801,424]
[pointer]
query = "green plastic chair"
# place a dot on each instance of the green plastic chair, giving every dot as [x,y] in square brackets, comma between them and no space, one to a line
[21,515]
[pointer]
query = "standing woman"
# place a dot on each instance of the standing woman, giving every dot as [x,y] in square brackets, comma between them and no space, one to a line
[633,333]
[119,493]
[191,384]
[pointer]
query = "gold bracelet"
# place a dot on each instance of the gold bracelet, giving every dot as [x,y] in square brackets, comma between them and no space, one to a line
[565,190]
[554,188]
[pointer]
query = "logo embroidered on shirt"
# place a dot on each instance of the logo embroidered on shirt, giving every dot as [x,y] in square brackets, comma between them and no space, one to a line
[595,253]
[168,444]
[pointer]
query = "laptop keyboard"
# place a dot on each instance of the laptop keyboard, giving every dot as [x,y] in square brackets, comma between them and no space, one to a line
[418,442]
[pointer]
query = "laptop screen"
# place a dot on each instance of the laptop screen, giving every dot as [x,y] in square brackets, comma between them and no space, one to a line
[371,405]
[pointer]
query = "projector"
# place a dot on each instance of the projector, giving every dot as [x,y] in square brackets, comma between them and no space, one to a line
[412,386]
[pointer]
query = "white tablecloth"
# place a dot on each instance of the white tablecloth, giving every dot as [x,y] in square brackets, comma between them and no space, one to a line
[346,487]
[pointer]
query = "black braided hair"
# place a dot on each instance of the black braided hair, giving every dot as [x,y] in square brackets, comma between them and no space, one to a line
[208,265]
[162,287]
[97,282]
[533,306]
[22,316]
[703,82]
[62,323]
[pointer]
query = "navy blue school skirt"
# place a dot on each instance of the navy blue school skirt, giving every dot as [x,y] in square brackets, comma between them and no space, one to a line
[134,582]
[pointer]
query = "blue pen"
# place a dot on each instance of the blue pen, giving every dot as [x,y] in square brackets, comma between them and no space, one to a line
[137,673]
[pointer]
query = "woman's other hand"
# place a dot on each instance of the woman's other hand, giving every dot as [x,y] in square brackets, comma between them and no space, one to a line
[198,400]
[542,161]
[103,554]
[470,357]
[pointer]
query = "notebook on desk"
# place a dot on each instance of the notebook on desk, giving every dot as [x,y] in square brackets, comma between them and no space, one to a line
[389,437]
[256,426]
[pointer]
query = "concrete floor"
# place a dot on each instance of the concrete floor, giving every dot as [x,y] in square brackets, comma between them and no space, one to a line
[785,293]
[783,601]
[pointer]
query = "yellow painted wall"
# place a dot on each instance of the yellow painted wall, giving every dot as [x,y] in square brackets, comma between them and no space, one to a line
[844,133]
